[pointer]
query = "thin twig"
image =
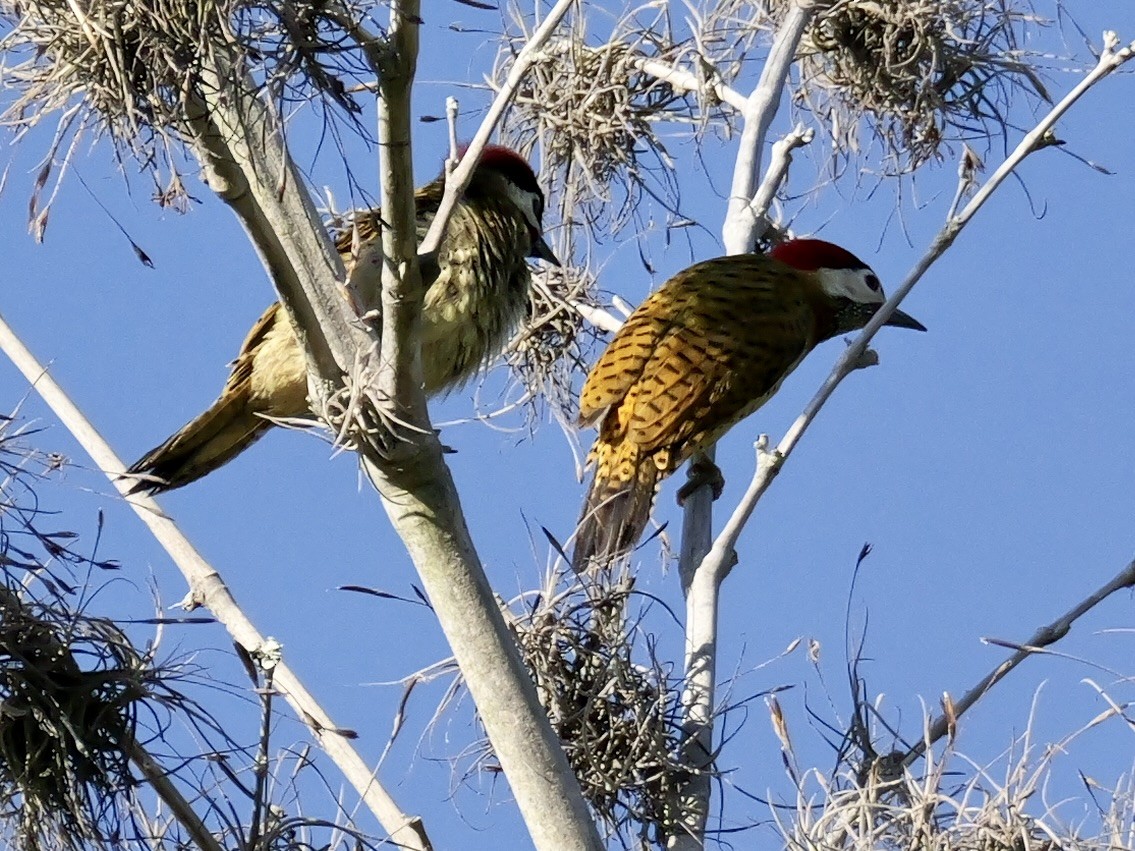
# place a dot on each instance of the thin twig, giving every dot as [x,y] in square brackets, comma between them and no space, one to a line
[452,110]
[260,804]
[1043,637]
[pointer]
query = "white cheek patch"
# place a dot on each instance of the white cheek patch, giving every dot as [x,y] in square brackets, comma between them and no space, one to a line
[850,284]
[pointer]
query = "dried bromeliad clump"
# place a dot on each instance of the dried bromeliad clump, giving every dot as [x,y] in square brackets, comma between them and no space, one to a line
[601,120]
[141,72]
[619,717]
[917,74]
[922,73]
[78,699]
[65,731]
[549,348]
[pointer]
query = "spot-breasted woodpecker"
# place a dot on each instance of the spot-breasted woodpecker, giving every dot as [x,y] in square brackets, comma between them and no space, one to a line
[701,353]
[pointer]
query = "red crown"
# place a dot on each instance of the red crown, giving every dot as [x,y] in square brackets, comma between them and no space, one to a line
[808,255]
[509,163]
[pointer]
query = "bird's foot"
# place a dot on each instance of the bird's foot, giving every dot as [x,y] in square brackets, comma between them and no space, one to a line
[702,471]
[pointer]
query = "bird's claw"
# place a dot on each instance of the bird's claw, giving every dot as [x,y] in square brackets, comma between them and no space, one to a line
[702,471]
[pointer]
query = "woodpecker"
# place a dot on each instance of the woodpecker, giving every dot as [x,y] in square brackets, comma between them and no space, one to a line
[704,351]
[469,312]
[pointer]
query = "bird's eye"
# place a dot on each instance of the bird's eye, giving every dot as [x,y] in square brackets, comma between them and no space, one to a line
[873,283]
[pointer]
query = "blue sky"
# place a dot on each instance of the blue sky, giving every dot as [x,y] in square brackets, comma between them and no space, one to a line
[991,461]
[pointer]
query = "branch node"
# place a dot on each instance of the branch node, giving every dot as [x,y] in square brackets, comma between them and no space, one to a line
[867,358]
[769,461]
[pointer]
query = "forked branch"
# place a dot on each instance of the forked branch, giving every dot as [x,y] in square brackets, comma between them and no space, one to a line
[422,502]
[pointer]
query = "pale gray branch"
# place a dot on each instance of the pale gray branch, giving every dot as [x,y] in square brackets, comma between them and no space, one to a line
[422,502]
[777,173]
[602,319]
[680,80]
[1043,637]
[207,588]
[740,231]
[399,377]
[408,471]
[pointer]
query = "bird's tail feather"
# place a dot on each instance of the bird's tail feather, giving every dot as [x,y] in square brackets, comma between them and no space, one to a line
[201,446]
[617,507]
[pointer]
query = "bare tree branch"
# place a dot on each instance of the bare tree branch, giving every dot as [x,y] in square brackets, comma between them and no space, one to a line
[777,172]
[422,502]
[742,226]
[400,373]
[208,589]
[602,319]
[1043,637]
[683,80]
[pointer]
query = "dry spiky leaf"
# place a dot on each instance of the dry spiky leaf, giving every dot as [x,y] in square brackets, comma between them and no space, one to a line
[548,350]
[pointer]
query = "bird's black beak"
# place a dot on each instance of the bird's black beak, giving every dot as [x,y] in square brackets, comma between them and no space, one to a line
[904,320]
[542,250]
